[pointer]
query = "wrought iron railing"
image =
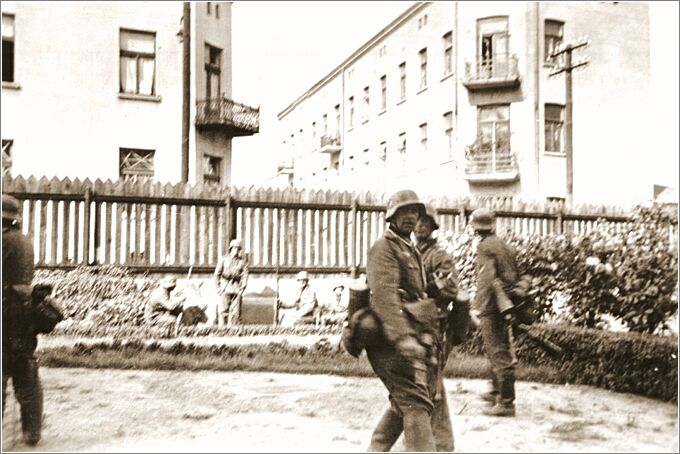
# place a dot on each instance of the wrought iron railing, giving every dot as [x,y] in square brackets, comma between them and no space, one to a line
[225,112]
[503,67]
[491,163]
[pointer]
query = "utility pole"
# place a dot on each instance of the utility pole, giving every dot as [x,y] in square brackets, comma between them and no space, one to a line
[186,88]
[566,67]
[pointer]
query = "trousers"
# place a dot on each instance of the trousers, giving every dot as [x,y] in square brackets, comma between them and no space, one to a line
[497,348]
[23,370]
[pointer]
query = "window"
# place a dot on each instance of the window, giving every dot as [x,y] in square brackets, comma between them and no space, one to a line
[494,128]
[402,80]
[325,124]
[337,120]
[213,169]
[448,53]
[351,111]
[135,163]
[554,126]
[366,157]
[314,134]
[402,143]
[7,49]
[383,151]
[7,157]
[423,138]
[423,68]
[137,62]
[448,133]
[383,93]
[213,71]
[382,51]
[492,46]
[217,11]
[367,105]
[553,37]
[422,21]
[207,6]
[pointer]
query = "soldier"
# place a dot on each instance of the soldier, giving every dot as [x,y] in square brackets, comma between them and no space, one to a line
[19,338]
[163,308]
[306,304]
[401,359]
[231,279]
[495,260]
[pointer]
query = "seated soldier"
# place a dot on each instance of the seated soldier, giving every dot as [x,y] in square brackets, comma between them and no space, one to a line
[306,305]
[336,313]
[162,307]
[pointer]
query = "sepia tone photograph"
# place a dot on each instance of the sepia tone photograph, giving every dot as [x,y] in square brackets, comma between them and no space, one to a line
[340,226]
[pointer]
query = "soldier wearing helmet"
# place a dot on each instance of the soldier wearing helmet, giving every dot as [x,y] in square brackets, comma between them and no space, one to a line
[231,279]
[496,260]
[19,339]
[399,358]
[306,304]
[163,308]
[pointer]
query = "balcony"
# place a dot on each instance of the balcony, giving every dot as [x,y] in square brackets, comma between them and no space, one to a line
[330,144]
[492,73]
[224,114]
[485,163]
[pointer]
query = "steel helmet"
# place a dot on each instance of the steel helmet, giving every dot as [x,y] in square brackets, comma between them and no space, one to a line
[431,212]
[400,199]
[10,208]
[302,276]
[235,243]
[169,281]
[482,220]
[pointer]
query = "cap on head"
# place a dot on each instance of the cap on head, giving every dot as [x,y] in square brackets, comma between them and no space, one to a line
[401,199]
[235,243]
[482,220]
[10,208]
[431,213]
[302,276]
[169,282]
[339,286]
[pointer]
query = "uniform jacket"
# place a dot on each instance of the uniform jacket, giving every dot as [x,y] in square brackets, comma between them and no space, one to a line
[495,259]
[394,274]
[437,260]
[306,302]
[160,302]
[17,273]
[231,274]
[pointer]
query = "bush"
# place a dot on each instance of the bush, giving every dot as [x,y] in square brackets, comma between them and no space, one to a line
[626,271]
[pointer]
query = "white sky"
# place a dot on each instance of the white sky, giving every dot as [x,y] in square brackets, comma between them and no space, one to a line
[282,48]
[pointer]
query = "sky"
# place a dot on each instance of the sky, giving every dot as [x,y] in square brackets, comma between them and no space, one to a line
[281,48]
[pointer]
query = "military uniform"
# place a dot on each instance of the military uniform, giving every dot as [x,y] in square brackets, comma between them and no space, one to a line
[231,277]
[19,338]
[161,308]
[496,260]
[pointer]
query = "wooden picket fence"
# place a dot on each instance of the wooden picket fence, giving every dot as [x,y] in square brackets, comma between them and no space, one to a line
[174,227]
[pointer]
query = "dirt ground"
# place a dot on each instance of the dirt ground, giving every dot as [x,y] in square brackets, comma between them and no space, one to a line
[90,410]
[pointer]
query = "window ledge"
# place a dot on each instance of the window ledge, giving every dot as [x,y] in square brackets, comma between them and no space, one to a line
[447,76]
[421,90]
[549,64]
[555,154]
[382,112]
[401,101]
[12,85]
[363,122]
[150,98]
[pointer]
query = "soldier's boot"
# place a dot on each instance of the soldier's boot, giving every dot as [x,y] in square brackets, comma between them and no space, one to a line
[492,394]
[418,435]
[386,432]
[504,405]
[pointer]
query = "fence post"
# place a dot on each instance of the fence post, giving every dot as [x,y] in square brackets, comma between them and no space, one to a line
[353,238]
[86,226]
[228,221]
[560,219]
[97,229]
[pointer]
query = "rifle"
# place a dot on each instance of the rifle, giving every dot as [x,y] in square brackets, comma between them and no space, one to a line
[276,303]
[542,342]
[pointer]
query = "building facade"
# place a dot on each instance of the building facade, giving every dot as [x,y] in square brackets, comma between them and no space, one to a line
[96,90]
[457,98]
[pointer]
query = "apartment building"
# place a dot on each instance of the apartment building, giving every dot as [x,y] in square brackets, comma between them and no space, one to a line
[457,98]
[99,90]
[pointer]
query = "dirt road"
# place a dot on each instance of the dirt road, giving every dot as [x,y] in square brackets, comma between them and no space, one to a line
[141,411]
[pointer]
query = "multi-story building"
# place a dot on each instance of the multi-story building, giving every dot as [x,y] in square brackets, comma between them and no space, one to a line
[456,98]
[99,90]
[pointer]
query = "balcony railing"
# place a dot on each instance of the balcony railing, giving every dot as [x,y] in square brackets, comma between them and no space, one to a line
[493,166]
[330,144]
[223,113]
[498,72]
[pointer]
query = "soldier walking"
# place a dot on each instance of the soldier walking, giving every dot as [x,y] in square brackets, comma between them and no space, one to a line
[231,279]
[496,260]
[19,339]
[403,357]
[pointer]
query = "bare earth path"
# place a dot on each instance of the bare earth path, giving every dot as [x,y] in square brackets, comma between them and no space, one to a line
[164,411]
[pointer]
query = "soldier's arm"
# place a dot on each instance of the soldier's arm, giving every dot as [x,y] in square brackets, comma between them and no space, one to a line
[23,269]
[486,273]
[244,276]
[445,287]
[217,275]
[382,273]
